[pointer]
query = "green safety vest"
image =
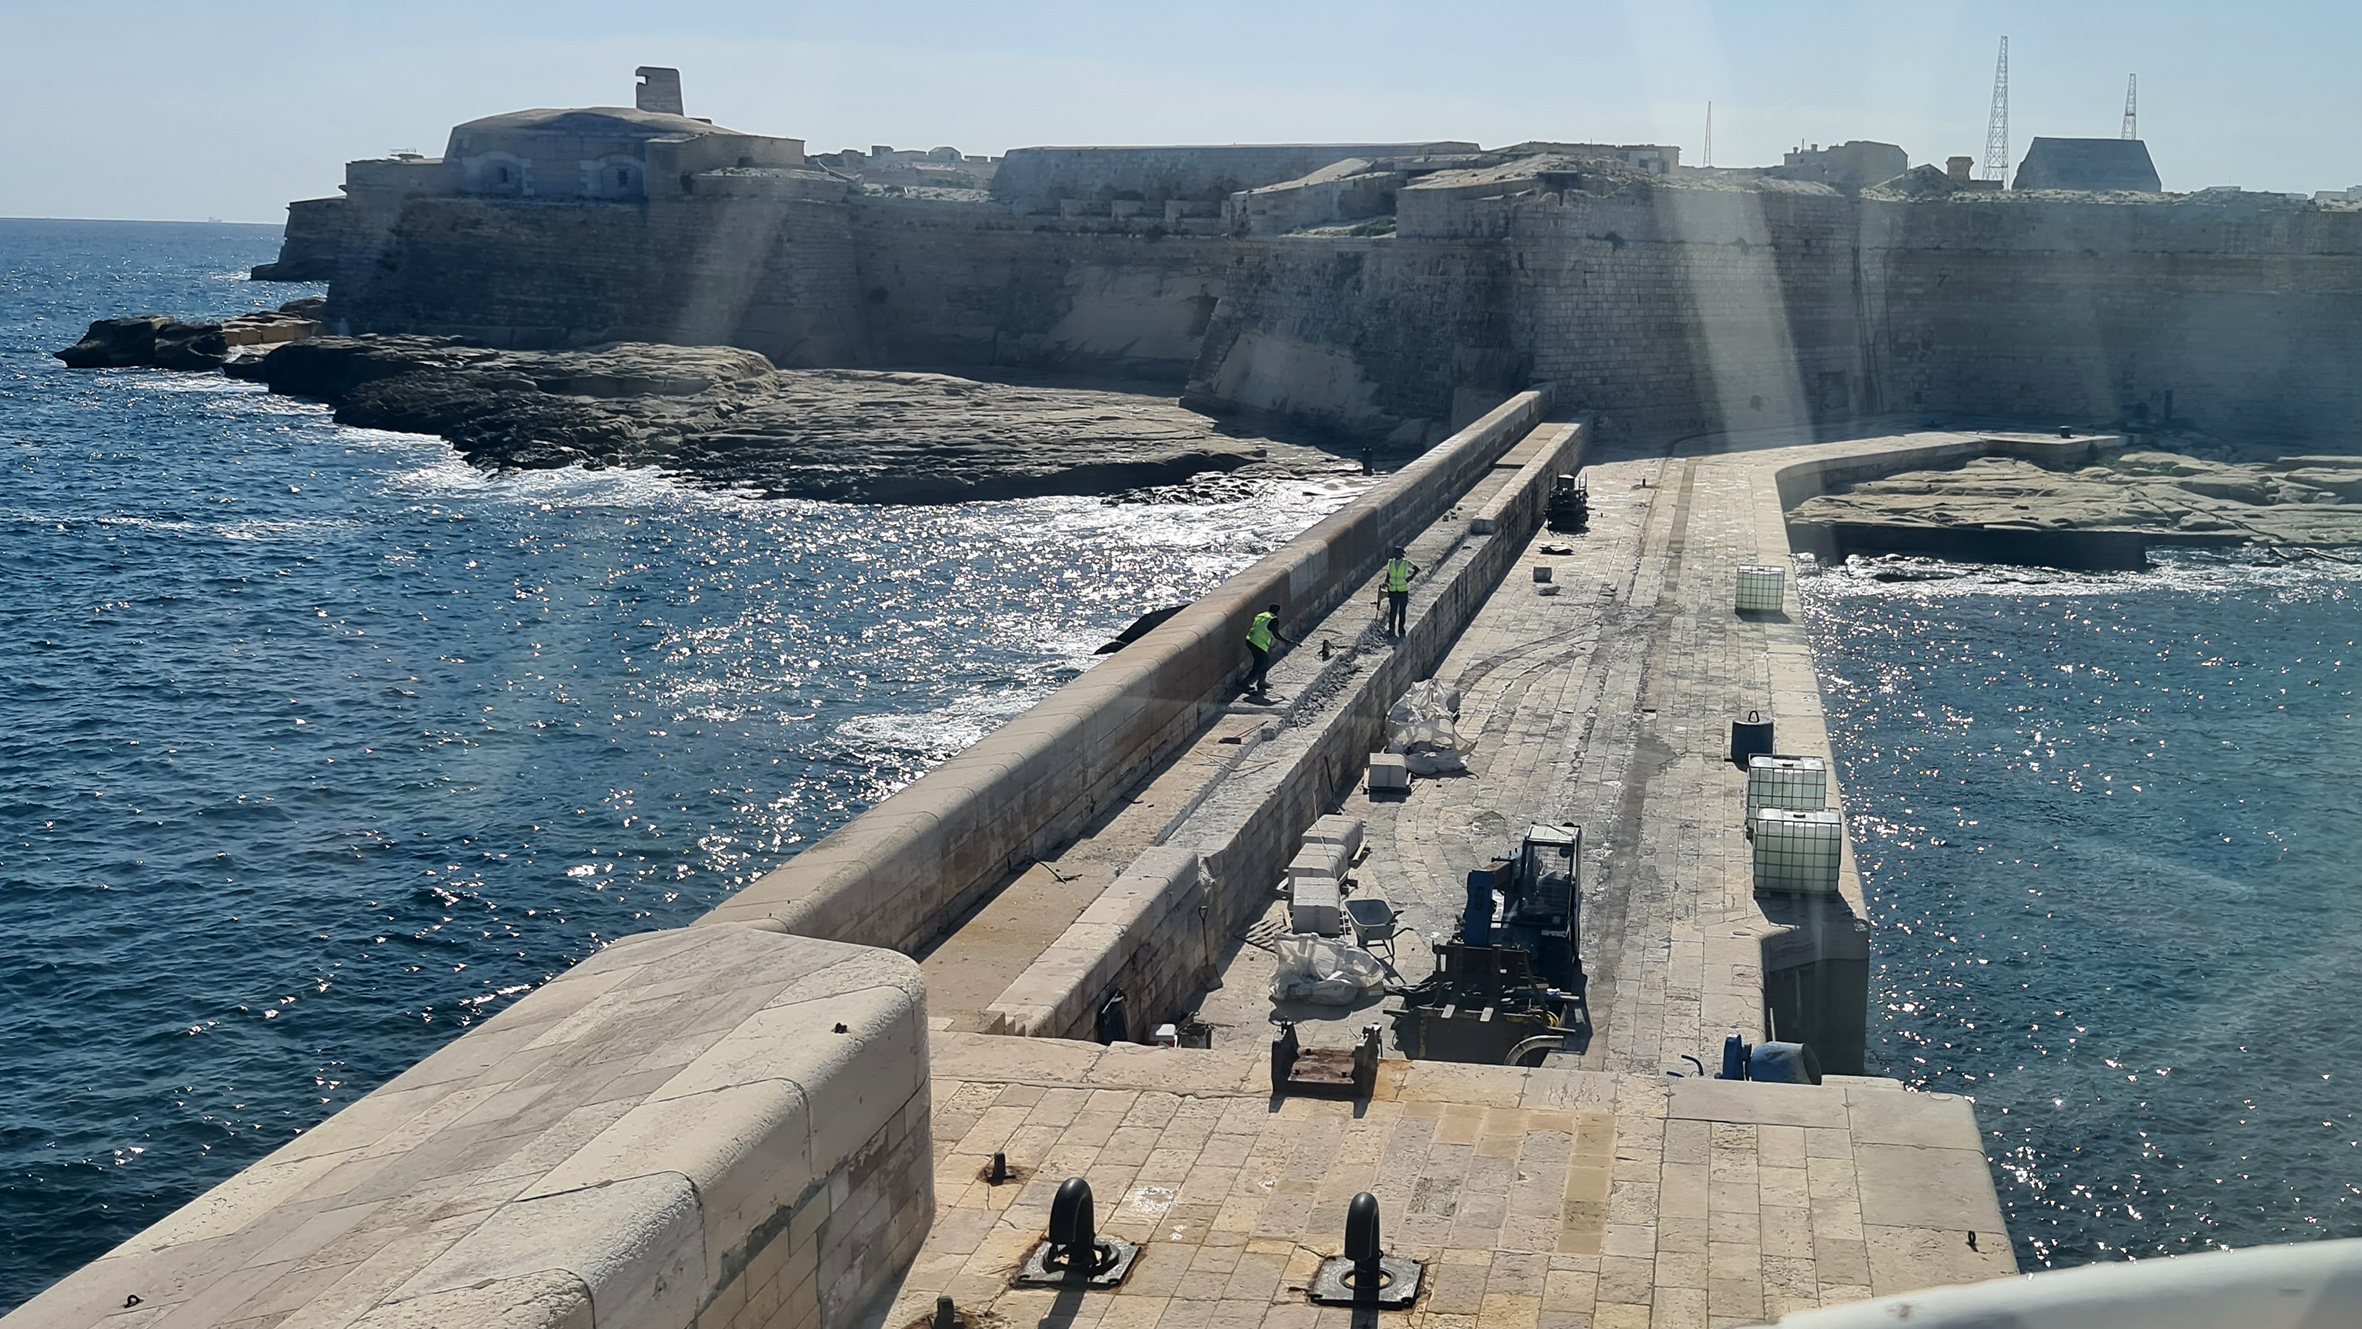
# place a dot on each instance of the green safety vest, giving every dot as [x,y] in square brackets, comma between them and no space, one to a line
[1259,636]
[1398,574]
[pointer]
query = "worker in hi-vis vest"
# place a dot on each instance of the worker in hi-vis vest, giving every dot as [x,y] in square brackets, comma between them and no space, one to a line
[1399,571]
[1259,638]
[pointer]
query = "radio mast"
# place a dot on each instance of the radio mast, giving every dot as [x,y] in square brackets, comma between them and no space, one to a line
[1997,127]
[2132,103]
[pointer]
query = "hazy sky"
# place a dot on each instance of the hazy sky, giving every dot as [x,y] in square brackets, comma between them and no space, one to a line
[187,110]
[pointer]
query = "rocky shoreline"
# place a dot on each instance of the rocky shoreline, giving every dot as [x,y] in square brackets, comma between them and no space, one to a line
[2209,493]
[722,415]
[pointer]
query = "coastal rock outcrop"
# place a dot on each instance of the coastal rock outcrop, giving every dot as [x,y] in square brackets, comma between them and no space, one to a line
[727,416]
[161,342]
[2234,496]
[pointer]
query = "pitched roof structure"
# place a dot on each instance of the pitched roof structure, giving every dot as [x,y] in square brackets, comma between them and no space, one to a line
[2088,163]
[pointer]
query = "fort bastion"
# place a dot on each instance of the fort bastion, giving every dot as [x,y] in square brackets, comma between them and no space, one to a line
[1386,289]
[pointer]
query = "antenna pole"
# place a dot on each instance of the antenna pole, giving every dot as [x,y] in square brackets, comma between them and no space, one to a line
[1709,133]
[1997,127]
[2132,106]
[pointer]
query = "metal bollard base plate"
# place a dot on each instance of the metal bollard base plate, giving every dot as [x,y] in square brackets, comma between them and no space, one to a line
[1334,1285]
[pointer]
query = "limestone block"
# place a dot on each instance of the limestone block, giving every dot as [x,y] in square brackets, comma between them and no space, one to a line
[1318,860]
[1389,773]
[1315,904]
[636,1245]
[550,1299]
[1338,829]
[746,1149]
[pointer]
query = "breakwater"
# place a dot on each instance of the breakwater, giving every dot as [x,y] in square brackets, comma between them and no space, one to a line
[741,1245]
[899,874]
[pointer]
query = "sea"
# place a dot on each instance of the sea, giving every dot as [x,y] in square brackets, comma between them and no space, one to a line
[324,745]
[2106,828]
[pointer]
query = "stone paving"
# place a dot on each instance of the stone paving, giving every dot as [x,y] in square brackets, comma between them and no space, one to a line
[1608,704]
[1540,1199]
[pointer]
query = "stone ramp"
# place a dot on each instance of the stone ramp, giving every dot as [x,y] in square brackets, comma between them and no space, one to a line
[1537,1199]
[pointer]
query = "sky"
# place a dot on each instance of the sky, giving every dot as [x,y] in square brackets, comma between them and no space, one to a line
[188,111]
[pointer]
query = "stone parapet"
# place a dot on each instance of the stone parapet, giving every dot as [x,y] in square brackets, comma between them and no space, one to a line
[899,874]
[1162,927]
[716,1127]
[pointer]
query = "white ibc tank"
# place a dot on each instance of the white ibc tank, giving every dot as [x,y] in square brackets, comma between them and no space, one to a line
[1797,851]
[1799,784]
[1762,587]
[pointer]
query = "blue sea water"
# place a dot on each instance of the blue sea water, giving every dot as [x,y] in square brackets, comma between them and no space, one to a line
[321,745]
[2106,824]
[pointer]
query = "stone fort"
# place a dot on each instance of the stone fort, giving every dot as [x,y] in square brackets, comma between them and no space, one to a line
[1389,290]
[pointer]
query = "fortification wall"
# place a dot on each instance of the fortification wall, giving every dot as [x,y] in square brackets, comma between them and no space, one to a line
[2093,311]
[945,284]
[1364,335]
[771,275]
[1668,313]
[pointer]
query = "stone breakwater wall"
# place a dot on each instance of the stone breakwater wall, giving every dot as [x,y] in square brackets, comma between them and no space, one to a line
[1163,925]
[711,1127]
[901,874]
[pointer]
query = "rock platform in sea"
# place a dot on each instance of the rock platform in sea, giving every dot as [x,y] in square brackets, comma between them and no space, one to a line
[2241,495]
[726,416]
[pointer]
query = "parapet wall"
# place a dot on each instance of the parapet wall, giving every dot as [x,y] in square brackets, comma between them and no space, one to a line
[1164,923]
[717,1127]
[900,874]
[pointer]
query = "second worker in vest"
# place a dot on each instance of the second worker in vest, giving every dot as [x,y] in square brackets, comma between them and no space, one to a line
[1399,571]
[1260,636]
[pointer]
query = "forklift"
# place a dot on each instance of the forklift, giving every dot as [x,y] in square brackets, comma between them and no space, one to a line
[1569,511]
[1510,989]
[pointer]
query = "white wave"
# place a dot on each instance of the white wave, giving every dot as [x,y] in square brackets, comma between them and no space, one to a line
[2185,571]
[934,735]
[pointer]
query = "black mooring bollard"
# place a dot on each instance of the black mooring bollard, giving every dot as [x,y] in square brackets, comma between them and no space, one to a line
[1074,1233]
[947,1316]
[1000,1168]
[1363,1245]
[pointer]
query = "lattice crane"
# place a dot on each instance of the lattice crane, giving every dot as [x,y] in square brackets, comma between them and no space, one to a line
[2132,106]
[1997,126]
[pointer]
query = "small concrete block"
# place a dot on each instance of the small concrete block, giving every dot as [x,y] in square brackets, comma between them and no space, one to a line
[1338,829]
[1389,773]
[1316,905]
[1542,572]
[1318,860]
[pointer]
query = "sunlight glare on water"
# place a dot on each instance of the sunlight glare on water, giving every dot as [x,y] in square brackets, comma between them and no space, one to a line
[324,745]
[2105,824]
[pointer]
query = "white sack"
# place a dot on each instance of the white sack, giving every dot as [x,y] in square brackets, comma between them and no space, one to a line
[1421,728]
[1324,971]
